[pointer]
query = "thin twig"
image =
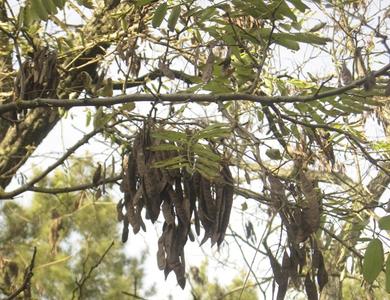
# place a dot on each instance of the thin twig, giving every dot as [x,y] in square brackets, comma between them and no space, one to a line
[28,274]
[80,283]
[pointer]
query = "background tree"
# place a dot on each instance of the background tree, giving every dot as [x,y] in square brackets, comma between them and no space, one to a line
[79,255]
[205,98]
[204,288]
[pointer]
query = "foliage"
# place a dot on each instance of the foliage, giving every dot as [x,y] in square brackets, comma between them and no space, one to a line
[290,97]
[202,288]
[71,231]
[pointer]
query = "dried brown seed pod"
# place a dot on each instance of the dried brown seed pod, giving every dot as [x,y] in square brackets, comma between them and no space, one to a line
[97,174]
[345,74]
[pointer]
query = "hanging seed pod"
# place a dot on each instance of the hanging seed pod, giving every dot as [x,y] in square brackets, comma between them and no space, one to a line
[345,74]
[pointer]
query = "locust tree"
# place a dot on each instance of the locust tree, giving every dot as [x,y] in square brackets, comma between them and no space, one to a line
[204,103]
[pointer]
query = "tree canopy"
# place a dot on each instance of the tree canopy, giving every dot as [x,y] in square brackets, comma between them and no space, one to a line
[196,105]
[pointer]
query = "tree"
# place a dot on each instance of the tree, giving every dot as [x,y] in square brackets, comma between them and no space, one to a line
[203,288]
[78,254]
[197,98]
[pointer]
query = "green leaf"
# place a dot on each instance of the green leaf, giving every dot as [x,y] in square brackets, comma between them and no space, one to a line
[143,2]
[165,147]
[51,7]
[337,104]
[316,117]
[205,151]
[284,9]
[286,43]
[309,38]
[174,162]
[373,260]
[100,119]
[212,165]
[39,8]
[260,115]
[127,107]
[173,17]
[159,14]
[59,3]
[358,105]
[317,27]
[170,135]
[387,283]
[86,3]
[206,172]
[299,5]
[384,223]
[217,86]
[88,118]
[218,130]
[273,154]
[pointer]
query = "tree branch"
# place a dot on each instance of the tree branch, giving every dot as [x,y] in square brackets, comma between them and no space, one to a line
[80,283]
[70,189]
[28,274]
[180,98]
[70,151]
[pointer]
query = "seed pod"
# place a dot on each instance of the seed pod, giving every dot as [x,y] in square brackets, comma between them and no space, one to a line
[370,82]
[346,76]
[97,175]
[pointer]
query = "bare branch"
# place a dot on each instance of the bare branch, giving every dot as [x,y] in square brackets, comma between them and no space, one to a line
[28,274]
[80,283]
[70,189]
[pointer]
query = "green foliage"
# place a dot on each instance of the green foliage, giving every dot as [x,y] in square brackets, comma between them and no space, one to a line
[174,17]
[373,260]
[71,232]
[202,288]
[384,223]
[159,14]
[192,151]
